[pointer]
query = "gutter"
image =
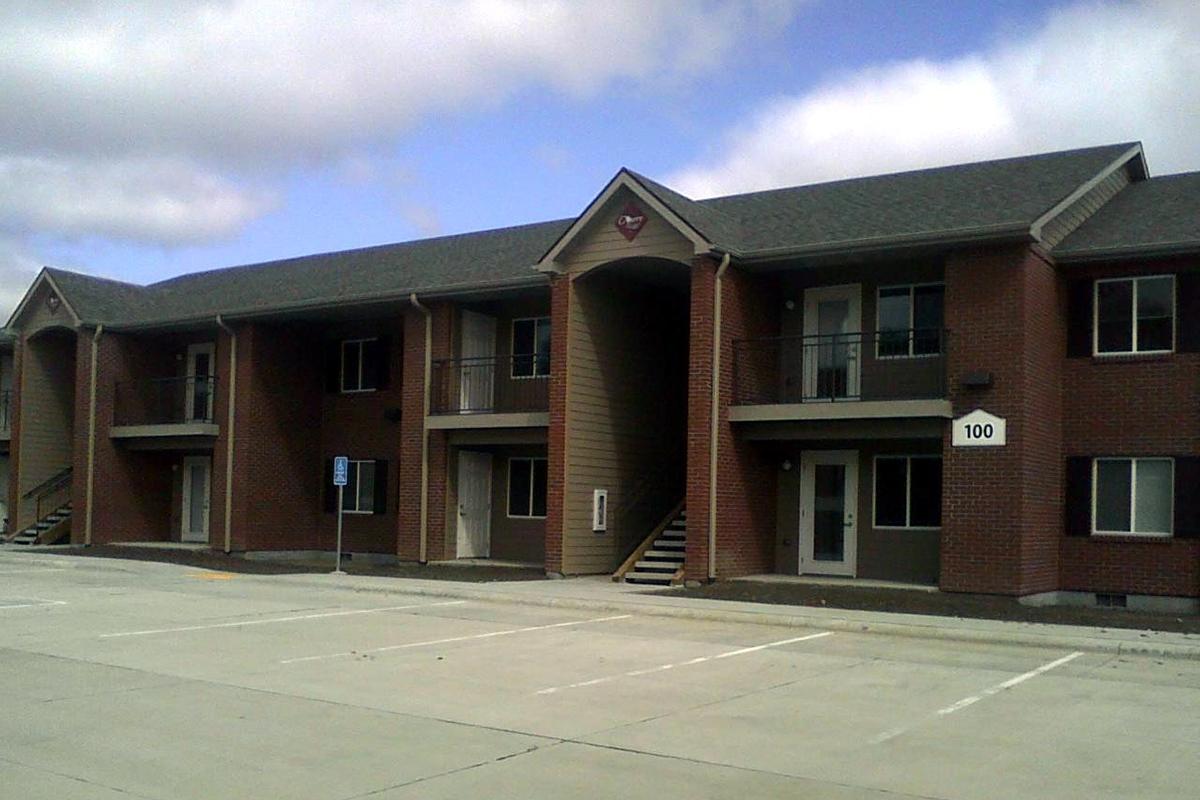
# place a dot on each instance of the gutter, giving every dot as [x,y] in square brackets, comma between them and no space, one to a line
[423,557]
[714,414]
[232,410]
[1139,252]
[91,453]
[965,236]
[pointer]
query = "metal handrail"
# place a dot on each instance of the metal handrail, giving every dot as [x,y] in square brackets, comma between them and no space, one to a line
[6,409]
[165,400]
[487,385]
[51,483]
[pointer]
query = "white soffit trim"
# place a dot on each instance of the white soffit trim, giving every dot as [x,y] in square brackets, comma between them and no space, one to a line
[1035,229]
[622,180]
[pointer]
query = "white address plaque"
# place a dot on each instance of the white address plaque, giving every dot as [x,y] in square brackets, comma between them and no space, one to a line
[979,429]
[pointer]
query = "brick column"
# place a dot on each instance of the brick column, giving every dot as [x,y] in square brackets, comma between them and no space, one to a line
[1002,507]
[412,432]
[556,453]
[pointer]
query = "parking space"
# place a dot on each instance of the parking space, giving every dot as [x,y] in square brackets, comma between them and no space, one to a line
[162,682]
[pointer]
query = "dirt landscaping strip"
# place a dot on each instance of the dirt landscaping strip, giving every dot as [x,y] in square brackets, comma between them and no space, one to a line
[942,604]
[208,559]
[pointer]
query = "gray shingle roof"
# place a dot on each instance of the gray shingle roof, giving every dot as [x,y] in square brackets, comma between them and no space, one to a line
[954,203]
[1153,217]
[930,204]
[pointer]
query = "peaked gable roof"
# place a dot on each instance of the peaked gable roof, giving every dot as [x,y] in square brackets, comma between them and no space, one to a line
[989,200]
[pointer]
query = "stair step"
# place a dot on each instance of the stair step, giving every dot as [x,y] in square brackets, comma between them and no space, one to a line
[668,544]
[664,555]
[655,566]
[649,578]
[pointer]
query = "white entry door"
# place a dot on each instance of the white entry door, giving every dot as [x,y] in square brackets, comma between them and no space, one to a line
[197,477]
[832,342]
[474,504]
[828,502]
[199,393]
[477,380]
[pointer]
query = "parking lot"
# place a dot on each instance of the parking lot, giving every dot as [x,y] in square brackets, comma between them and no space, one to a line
[122,679]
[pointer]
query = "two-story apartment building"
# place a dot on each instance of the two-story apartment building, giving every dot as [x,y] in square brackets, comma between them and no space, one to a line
[668,388]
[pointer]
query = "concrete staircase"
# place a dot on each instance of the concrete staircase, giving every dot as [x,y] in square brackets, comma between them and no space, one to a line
[46,530]
[662,563]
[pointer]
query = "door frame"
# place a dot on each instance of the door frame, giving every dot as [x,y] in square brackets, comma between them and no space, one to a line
[185,532]
[813,295]
[460,536]
[210,349]
[808,565]
[482,384]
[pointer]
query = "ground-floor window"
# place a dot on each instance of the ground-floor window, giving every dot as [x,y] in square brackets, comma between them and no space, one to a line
[527,487]
[1133,496]
[366,487]
[908,491]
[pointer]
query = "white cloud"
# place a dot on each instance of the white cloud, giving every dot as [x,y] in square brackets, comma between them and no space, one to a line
[1092,74]
[18,267]
[163,200]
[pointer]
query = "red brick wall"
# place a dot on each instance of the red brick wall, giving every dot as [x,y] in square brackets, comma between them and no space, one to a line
[560,289]
[746,472]
[276,470]
[412,428]
[1134,406]
[1002,507]
[356,425]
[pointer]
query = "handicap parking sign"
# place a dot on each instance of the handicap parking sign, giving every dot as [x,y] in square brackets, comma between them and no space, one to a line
[341,471]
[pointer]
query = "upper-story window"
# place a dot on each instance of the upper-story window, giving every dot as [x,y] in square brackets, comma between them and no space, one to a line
[1135,315]
[909,320]
[531,348]
[358,365]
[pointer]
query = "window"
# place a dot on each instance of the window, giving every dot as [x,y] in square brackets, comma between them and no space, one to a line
[910,320]
[1135,315]
[358,373]
[531,348]
[1133,496]
[359,494]
[908,492]
[527,487]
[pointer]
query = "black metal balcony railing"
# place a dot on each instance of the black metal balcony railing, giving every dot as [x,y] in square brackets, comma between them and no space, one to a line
[165,401]
[496,385]
[6,411]
[889,365]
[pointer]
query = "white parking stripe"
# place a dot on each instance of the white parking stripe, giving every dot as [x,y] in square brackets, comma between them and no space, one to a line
[277,619]
[35,604]
[975,698]
[451,639]
[664,667]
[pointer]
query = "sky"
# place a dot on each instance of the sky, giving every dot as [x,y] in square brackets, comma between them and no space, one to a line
[142,140]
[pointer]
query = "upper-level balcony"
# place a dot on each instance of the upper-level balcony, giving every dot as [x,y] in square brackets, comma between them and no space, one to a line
[496,391]
[165,407]
[888,374]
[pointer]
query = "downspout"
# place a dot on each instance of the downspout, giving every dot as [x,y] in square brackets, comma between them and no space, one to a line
[714,414]
[229,439]
[91,457]
[424,555]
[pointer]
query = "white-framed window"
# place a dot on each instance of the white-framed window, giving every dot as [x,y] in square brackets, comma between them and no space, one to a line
[531,347]
[358,372]
[909,320]
[359,495]
[908,492]
[1133,496]
[1134,315]
[527,488]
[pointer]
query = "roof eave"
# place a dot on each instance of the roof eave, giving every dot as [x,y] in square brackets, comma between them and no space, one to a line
[990,235]
[1137,252]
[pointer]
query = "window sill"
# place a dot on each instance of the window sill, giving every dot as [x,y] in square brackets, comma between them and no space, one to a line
[1133,538]
[1127,358]
[357,391]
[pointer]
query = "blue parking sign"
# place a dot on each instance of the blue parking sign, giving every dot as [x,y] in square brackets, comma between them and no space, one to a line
[341,471]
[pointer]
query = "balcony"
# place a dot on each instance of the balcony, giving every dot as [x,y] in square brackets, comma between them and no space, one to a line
[891,374]
[165,408]
[499,391]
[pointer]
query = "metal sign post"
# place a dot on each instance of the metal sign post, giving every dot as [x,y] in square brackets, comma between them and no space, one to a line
[341,474]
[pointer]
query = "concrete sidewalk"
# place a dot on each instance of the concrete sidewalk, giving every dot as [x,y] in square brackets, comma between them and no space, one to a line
[600,594]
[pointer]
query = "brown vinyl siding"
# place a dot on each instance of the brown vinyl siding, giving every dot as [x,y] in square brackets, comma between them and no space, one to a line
[48,425]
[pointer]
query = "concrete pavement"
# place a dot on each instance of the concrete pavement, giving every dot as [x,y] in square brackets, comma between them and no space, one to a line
[123,679]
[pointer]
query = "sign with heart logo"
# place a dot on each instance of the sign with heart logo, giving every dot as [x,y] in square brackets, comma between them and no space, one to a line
[631,221]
